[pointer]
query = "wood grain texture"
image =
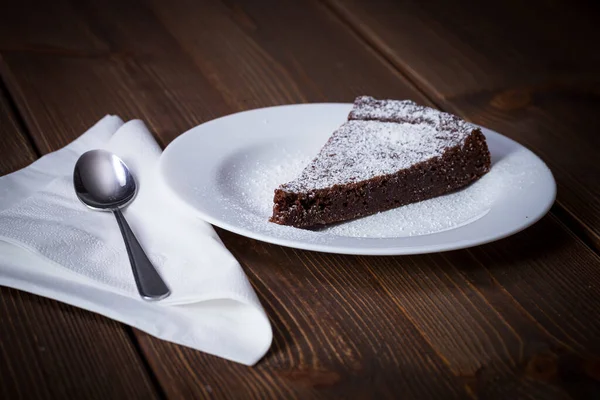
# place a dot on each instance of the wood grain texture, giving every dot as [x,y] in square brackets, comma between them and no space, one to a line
[50,27]
[465,47]
[52,350]
[15,149]
[488,313]
[507,320]
[528,70]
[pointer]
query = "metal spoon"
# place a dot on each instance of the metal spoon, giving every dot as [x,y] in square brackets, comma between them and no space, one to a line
[103,182]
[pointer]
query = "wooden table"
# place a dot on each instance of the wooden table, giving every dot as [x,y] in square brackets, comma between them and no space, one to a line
[518,318]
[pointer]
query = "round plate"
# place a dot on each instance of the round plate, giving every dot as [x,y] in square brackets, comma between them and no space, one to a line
[228,168]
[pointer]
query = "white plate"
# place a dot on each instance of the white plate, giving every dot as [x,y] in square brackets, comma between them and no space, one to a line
[228,168]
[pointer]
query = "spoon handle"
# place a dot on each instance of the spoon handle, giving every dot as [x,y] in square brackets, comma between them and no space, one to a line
[148,281]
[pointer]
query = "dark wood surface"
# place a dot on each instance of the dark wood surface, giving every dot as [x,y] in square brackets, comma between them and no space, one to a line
[512,319]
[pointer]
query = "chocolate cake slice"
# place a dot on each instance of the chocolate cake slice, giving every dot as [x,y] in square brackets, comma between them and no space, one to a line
[388,154]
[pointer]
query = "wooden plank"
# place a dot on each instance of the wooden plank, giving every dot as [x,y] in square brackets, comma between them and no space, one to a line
[344,326]
[452,51]
[526,69]
[14,146]
[488,322]
[51,350]
[51,27]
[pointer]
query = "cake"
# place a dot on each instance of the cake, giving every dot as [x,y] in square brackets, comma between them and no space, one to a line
[388,154]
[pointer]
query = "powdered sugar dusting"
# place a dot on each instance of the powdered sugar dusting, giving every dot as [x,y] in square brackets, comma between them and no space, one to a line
[368,108]
[252,182]
[363,148]
[262,176]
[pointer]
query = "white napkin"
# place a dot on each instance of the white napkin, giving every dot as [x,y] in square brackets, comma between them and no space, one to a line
[53,246]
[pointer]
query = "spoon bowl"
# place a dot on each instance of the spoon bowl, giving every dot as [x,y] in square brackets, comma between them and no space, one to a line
[103,182]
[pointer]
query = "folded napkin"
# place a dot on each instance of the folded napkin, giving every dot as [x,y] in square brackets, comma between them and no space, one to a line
[53,246]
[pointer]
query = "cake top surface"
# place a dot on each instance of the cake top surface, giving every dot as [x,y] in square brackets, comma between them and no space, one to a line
[381,138]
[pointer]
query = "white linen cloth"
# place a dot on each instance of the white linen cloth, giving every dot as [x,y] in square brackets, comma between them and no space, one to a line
[53,246]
